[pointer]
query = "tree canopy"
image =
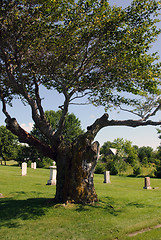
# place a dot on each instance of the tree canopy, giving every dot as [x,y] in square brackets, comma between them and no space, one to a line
[84,48]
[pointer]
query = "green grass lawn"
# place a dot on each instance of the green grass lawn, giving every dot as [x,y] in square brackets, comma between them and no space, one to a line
[124,207]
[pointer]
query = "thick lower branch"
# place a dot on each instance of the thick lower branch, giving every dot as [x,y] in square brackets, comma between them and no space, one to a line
[132,123]
[25,137]
[104,122]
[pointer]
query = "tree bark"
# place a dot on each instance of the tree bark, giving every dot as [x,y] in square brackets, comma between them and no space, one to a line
[75,170]
[25,137]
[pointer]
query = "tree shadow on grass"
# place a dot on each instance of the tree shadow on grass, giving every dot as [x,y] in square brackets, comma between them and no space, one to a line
[137,205]
[107,206]
[142,205]
[31,208]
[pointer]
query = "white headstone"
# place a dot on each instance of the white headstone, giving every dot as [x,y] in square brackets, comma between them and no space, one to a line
[34,165]
[24,169]
[52,180]
[107,177]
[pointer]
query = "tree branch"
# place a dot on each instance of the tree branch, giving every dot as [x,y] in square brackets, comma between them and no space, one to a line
[25,137]
[4,110]
[154,112]
[38,99]
[63,116]
[39,120]
[104,122]
[130,111]
[9,70]
[145,112]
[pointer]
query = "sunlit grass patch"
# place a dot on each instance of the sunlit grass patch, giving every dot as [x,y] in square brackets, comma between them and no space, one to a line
[27,210]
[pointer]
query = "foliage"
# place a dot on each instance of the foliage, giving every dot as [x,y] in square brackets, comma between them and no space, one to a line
[158,153]
[29,154]
[136,170]
[122,146]
[25,153]
[44,162]
[72,126]
[126,154]
[8,144]
[79,46]
[100,168]
[158,163]
[115,164]
[145,155]
[158,171]
[124,149]
[158,159]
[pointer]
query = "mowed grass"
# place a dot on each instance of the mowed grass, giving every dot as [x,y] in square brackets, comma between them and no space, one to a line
[27,212]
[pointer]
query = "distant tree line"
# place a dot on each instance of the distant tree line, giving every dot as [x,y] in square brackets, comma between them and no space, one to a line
[119,155]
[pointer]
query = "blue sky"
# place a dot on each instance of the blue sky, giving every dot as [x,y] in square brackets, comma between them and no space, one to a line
[141,136]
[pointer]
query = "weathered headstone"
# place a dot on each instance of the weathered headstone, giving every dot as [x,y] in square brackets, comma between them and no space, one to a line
[147,183]
[24,169]
[107,177]
[53,171]
[34,165]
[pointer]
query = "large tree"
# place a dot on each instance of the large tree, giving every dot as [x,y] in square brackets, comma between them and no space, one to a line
[80,49]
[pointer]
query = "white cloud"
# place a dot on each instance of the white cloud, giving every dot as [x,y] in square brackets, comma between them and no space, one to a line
[27,126]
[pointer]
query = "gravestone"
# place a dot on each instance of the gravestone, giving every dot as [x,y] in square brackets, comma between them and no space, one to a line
[53,171]
[147,183]
[24,169]
[34,165]
[107,177]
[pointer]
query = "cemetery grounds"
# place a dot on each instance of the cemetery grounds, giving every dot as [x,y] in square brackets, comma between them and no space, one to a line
[124,207]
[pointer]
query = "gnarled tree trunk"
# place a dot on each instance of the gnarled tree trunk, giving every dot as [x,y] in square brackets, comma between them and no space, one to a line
[75,169]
